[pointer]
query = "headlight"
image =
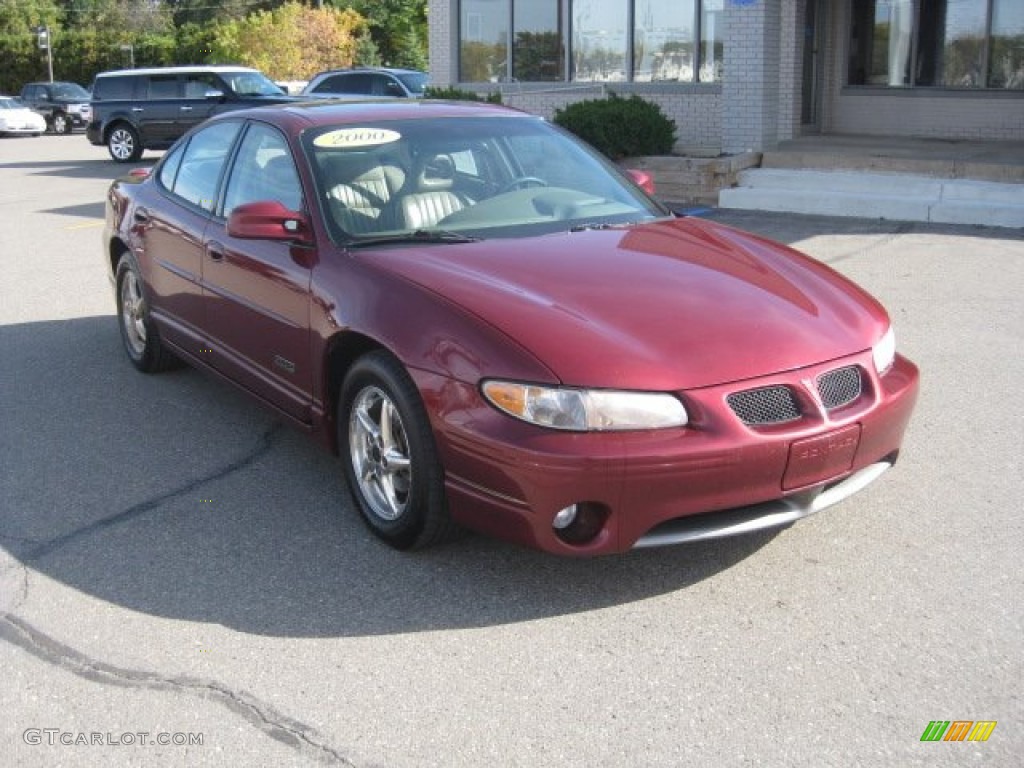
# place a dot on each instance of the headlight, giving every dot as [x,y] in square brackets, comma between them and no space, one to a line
[884,352]
[585,410]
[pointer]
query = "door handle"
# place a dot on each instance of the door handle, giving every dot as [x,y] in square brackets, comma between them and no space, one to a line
[137,109]
[186,108]
[141,216]
[215,250]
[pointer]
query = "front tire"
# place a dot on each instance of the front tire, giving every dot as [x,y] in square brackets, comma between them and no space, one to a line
[62,123]
[138,332]
[123,144]
[389,455]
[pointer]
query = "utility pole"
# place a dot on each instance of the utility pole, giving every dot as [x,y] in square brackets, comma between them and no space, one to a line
[43,39]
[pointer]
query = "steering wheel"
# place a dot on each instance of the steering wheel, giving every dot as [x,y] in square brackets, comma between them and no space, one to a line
[521,182]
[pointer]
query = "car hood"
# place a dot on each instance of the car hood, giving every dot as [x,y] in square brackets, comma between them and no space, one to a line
[667,305]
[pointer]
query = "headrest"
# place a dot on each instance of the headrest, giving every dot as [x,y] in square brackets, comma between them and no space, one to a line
[436,172]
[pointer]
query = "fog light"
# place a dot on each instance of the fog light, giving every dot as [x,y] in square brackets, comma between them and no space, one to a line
[581,522]
[564,517]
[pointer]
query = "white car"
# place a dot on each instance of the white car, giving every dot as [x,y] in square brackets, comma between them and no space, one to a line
[15,118]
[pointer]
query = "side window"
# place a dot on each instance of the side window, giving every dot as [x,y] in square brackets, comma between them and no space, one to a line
[169,167]
[162,87]
[359,84]
[197,85]
[263,170]
[114,88]
[333,84]
[203,163]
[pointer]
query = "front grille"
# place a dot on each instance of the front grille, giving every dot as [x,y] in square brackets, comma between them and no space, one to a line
[839,387]
[767,405]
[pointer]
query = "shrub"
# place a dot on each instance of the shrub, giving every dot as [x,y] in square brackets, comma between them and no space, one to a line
[620,127]
[454,94]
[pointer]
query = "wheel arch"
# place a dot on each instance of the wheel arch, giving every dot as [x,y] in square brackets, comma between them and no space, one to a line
[116,248]
[341,351]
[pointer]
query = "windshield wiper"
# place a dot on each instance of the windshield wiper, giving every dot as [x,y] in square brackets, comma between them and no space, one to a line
[419,236]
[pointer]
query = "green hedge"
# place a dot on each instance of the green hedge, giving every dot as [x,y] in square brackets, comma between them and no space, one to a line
[620,127]
[455,94]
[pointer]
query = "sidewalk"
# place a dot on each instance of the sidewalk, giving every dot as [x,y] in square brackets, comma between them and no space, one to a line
[934,180]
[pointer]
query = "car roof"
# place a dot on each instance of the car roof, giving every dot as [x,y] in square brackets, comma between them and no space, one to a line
[389,70]
[186,70]
[300,115]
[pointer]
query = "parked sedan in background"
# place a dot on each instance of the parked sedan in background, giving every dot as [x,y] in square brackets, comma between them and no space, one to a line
[16,118]
[363,82]
[495,327]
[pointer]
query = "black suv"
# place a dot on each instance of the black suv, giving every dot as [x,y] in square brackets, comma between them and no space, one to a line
[64,105]
[367,82]
[137,109]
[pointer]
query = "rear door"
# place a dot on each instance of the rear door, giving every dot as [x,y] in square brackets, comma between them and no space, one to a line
[158,110]
[173,226]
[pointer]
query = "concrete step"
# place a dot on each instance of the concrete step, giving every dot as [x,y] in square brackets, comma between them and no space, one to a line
[905,197]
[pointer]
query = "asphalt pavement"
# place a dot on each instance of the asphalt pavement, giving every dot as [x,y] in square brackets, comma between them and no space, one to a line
[183,580]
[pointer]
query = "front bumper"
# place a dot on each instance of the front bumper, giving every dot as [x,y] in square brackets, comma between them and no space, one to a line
[715,477]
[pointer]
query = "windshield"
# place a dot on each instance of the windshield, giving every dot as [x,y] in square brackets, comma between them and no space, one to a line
[70,92]
[479,177]
[416,82]
[251,84]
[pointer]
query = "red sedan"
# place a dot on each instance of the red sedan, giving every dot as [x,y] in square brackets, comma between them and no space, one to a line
[496,328]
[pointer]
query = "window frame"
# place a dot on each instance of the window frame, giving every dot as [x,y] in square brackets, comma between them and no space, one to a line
[913,86]
[566,39]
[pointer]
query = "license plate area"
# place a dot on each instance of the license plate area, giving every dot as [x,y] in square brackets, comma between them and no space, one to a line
[817,459]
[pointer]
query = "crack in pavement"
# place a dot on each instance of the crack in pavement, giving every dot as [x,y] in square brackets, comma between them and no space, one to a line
[47,547]
[261,715]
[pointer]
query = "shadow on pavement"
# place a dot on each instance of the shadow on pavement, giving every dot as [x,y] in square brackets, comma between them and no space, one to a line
[175,496]
[100,168]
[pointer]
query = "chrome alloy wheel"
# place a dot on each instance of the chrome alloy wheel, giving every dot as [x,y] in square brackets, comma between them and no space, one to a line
[122,144]
[379,451]
[133,313]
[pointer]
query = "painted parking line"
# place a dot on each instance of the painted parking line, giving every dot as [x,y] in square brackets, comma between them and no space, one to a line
[87,225]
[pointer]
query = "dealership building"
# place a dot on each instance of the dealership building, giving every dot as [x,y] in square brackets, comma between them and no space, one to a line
[739,75]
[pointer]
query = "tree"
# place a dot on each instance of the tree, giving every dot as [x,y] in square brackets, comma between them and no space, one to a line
[291,41]
[398,27]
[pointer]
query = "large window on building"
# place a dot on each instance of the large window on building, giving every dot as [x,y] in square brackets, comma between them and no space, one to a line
[591,40]
[937,43]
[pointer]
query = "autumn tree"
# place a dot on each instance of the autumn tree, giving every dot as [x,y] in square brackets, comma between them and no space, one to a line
[398,29]
[292,41]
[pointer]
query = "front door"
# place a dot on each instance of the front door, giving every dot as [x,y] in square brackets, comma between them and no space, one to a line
[256,292]
[810,114]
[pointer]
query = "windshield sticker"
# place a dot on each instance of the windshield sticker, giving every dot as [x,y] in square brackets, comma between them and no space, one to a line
[356,137]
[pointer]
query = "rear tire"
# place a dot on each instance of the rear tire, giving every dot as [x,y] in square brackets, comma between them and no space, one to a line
[387,448]
[138,332]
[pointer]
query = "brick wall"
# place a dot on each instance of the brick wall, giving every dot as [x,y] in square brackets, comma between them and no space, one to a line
[697,115]
[791,46]
[916,114]
[750,82]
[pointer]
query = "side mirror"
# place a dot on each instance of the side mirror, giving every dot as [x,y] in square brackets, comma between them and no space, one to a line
[642,179]
[268,220]
[213,94]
